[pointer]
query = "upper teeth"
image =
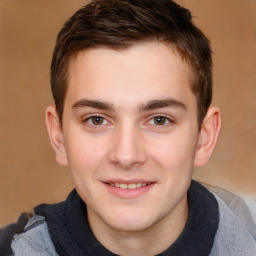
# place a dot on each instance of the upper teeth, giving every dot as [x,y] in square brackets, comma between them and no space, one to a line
[129,186]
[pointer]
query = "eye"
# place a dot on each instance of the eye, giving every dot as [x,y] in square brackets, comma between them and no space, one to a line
[159,120]
[96,120]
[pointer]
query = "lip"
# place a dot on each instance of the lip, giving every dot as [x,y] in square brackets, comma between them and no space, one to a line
[126,193]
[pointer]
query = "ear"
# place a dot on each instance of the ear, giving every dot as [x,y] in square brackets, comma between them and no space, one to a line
[208,136]
[56,135]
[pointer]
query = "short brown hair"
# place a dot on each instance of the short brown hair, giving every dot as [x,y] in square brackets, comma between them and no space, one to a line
[119,24]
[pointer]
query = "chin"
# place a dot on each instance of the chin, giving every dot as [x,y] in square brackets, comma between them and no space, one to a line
[131,222]
[130,227]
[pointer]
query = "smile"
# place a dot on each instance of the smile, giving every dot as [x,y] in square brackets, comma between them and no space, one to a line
[128,189]
[128,186]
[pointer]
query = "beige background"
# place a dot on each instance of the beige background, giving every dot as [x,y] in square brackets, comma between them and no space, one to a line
[28,28]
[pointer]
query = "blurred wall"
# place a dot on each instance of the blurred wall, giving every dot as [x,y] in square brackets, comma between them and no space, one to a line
[28,28]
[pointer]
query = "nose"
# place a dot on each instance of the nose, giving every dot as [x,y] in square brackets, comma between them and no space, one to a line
[127,148]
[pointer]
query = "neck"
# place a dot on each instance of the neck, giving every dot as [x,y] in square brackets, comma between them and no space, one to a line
[142,242]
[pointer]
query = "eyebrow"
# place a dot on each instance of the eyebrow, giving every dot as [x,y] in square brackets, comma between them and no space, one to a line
[93,104]
[151,105]
[156,104]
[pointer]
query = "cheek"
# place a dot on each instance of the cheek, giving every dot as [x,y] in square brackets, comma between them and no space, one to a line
[85,154]
[174,153]
[86,157]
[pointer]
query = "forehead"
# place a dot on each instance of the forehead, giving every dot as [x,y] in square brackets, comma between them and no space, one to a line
[139,73]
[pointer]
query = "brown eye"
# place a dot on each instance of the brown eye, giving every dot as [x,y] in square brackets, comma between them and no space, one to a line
[97,120]
[160,120]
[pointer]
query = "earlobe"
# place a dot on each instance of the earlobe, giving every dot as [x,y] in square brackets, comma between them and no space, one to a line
[208,136]
[56,135]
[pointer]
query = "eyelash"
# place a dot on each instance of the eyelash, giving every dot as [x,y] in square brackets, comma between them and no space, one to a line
[167,121]
[89,121]
[166,118]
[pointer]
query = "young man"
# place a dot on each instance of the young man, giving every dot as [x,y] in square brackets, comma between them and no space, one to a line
[132,85]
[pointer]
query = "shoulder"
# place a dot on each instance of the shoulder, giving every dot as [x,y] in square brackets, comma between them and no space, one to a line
[7,233]
[236,233]
[29,236]
[236,206]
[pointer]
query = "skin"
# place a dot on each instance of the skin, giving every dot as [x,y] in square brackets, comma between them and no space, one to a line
[130,117]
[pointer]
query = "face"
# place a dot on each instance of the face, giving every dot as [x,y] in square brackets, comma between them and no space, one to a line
[130,133]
